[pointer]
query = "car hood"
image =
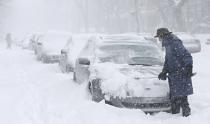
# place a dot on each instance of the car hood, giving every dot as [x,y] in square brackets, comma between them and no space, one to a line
[130,80]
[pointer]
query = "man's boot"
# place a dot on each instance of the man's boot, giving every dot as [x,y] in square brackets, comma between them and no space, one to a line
[186,111]
[175,106]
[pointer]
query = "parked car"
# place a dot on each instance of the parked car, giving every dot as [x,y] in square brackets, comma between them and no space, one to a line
[30,41]
[123,71]
[192,44]
[50,45]
[70,52]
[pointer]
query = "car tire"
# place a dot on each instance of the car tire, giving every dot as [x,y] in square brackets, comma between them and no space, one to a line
[95,90]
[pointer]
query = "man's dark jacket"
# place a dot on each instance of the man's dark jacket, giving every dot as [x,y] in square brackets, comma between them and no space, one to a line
[177,58]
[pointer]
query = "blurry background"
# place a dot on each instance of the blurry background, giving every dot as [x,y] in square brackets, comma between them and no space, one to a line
[104,16]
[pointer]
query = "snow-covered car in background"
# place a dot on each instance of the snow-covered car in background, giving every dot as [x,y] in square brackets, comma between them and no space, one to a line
[192,44]
[50,45]
[70,52]
[124,73]
[30,41]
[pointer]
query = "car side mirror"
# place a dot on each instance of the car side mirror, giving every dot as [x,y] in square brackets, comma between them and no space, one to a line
[84,61]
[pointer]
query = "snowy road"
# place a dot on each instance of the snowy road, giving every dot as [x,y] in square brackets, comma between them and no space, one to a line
[36,93]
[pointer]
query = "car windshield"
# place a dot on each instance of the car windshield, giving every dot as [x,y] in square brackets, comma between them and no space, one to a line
[132,54]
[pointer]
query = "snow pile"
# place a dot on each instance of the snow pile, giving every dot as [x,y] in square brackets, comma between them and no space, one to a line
[115,83]
[130,83]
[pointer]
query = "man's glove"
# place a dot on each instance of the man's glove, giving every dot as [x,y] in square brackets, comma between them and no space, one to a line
[189,71]
[162,76]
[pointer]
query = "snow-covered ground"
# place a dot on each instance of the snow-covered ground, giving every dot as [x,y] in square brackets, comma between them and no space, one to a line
[36,93]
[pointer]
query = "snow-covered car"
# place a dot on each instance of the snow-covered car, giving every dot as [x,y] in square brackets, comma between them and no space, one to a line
[30,41]
[124,73]
[70,52]
[192,44]
[50,45]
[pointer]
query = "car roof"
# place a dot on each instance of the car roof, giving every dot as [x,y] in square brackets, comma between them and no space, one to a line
[120,37]
[99,41]
[124,40]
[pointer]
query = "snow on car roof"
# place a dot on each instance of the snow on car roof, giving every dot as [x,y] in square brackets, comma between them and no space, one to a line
[121,37]
[126,40]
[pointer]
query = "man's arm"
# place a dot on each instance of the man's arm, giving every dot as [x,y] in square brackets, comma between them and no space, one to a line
[163,74]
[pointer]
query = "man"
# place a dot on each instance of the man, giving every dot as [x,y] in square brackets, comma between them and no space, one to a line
[178,69]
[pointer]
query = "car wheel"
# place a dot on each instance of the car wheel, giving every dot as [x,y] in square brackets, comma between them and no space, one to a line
[95,90]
